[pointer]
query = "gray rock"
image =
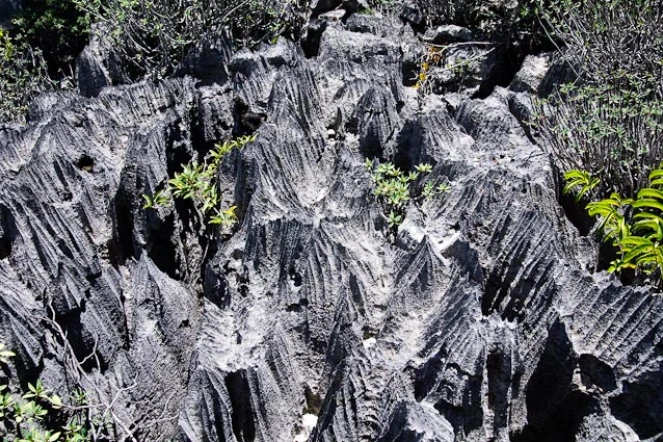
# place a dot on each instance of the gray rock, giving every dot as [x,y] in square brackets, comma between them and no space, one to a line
[98,66]
[355,5]
[411,13]
[464,69]
[531,74]
[477,320]
[448,34]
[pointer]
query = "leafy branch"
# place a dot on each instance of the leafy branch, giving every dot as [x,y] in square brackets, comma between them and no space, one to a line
[197,182]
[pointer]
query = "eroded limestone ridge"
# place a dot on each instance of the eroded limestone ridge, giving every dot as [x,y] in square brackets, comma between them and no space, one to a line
[479,320]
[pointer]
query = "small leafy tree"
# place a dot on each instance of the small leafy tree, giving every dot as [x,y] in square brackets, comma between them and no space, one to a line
[197,182]
[393,188]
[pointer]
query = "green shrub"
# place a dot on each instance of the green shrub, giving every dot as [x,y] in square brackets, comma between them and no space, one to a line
[32,416]
[37,53]
[611,131]
[23,76]
[605,38]
[58,28]
[197,182]
[393,188]
[632,225]
[609,122]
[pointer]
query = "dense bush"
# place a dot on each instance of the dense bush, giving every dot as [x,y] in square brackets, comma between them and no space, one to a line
[609,122]
[23,75]
[37,53]
[152,36]
[58,28]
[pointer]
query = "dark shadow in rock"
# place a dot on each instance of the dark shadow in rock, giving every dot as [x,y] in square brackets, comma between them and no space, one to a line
[81,341]
[507,65]
[239,393]
[498,368]
[162,251]
[85,163]
[312,36]
[431,381]
[7,232]
[640,405]
[555,409]
[596,373]
[121,245]
[247,122]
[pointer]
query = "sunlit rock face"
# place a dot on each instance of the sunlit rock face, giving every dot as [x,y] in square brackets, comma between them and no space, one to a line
[479,319]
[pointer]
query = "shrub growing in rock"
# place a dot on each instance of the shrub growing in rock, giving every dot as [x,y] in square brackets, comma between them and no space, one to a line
[37,53]
[33,415]
[197,182]
[634,226]
[393,188]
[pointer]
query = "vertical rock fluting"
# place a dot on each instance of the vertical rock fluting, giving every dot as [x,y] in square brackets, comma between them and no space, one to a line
[477,321]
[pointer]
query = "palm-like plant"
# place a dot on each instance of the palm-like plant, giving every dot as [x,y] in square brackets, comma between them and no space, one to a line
[634,226]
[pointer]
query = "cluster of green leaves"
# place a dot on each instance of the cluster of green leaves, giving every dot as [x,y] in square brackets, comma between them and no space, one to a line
[23,417]
[582,179]
[633,225]
[393,187]
[59,28]
[23,76]
[197,182]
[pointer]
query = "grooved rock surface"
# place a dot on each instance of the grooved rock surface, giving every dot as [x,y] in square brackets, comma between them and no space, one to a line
[480,320]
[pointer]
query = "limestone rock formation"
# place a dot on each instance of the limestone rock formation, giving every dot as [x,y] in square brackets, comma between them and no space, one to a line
[482,319]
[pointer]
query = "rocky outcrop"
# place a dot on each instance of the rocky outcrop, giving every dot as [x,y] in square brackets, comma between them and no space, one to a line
[482,318]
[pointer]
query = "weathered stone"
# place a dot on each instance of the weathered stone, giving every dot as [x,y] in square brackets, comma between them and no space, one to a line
[448,34]
[531,74]
[476,320]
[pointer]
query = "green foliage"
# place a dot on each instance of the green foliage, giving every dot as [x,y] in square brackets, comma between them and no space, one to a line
[635,227]
[27,417]
[603,37]
[160,199]
[197,182]
[37,53]
[23,76]
[394,188]
[59,28]
[581,178]
[609,121]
